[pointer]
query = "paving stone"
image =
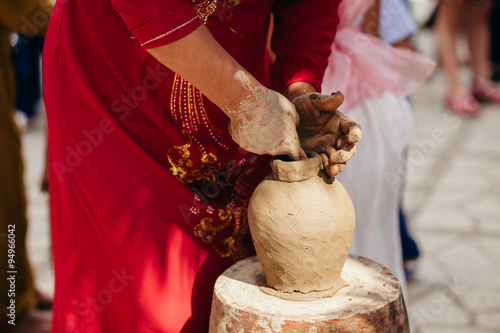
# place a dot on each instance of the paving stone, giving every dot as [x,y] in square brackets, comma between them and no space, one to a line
[489,320]
[431,242]
[494,173]
[490,245]
[485,208]
[442,220]
[463,178]
[484,136]
[470,163]
[437,308]
[413,194]
[481,300]
[469,265]
[419,163]
[453,196]
[457,330]
[489,227]
[427,270]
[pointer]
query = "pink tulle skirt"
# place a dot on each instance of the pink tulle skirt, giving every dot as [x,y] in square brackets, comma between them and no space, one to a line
[363,66]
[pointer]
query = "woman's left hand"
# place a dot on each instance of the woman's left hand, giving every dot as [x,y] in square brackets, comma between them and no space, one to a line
[324,129]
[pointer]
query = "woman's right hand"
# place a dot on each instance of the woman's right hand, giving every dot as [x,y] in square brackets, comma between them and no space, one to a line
[265,122]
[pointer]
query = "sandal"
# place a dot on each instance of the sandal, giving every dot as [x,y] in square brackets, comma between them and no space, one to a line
[464,105]
[410,267]
[486,91]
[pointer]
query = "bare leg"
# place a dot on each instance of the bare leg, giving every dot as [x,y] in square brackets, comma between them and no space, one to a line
[479,45]
[479,40]
[459,99]
[447,21]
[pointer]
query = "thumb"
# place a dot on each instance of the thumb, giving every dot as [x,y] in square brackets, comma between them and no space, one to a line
[327,103]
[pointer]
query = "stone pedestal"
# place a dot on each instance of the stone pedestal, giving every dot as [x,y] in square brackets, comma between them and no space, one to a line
[372,302]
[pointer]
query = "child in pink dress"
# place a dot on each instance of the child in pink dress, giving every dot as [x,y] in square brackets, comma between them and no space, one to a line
[375,78]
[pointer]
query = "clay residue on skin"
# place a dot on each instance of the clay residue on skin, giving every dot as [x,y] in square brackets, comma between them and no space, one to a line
[355,134]
[258,123]
[245,81]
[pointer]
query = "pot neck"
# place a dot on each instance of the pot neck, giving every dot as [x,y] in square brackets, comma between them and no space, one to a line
[296,171]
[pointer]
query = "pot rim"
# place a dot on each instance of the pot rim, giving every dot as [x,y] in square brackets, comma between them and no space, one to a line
[296,171]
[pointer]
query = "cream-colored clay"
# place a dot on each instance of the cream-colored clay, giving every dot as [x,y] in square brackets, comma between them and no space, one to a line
[265,121]
[302,224]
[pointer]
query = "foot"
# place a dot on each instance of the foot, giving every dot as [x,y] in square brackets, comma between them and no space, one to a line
[462,104]
[486,91]
[410,266]
[44,302]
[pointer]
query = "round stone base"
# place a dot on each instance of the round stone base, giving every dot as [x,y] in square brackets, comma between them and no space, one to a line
[371,302]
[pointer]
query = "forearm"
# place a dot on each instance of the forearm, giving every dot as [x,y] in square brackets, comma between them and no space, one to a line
[262,121]
[201,60]
[372,19]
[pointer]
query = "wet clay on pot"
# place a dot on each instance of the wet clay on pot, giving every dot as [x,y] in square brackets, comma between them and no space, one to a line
[301,223]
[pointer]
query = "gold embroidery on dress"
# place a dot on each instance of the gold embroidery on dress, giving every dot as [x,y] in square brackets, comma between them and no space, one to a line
[230,4]
[186,105]
[207,230]
[213,183]
[182,166]
[205,9]
[192,94]
[179,168]
[199,97]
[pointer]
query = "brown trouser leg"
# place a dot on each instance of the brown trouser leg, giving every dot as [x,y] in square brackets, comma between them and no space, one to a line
[13,217]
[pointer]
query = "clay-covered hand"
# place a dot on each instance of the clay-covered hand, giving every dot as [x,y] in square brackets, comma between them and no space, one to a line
[324,129]
[265,122]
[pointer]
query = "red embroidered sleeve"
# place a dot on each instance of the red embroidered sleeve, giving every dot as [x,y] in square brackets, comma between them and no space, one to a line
[154,23]
[302,40]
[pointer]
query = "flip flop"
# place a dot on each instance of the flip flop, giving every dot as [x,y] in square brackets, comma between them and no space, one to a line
[464,105]
[487,92]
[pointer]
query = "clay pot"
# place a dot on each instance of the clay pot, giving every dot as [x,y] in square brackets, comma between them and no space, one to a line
[301,223]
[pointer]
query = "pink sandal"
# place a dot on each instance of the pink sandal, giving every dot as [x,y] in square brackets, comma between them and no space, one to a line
[487,92]
[464,105]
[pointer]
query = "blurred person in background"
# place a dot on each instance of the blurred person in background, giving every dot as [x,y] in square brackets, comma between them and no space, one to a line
[495,40]
[20,15]
[26,60]
[463,98]
[397,28]
[376,79]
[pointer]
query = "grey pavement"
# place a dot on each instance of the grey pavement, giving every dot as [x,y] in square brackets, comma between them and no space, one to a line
[452,199]
[453,203]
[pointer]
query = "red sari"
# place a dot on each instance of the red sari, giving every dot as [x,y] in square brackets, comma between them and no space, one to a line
[148,191]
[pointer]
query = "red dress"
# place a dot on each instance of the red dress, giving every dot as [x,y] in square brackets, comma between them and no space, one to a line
[148,191]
